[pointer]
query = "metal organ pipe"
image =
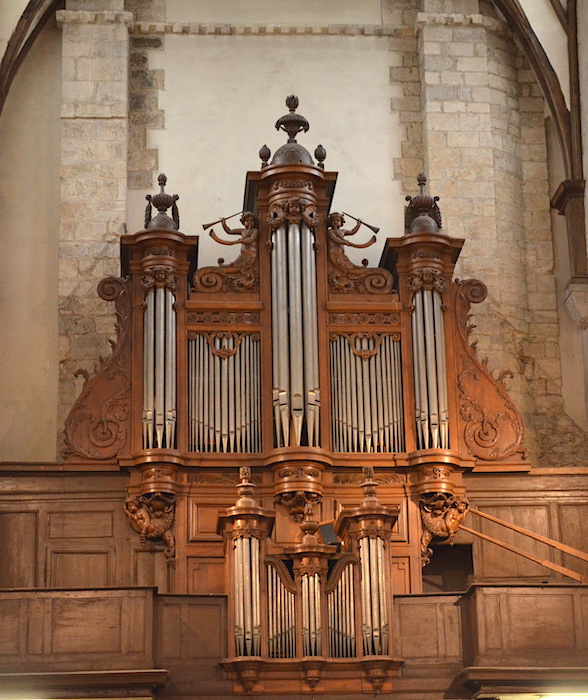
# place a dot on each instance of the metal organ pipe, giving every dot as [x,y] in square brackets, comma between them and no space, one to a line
[224,383]
[374,586]
[366,393]
[428,337]
[159,369]
[296,394]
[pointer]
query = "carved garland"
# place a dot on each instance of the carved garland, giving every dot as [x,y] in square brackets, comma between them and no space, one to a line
[98,426]
[365,354]
[223,352]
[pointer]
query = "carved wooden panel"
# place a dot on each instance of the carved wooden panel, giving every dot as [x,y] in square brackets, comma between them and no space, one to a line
[492,427]
[98,425]
[19,545]
[428,629]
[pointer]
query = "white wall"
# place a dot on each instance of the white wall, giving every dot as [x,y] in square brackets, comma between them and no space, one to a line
[29,201]
[222,107]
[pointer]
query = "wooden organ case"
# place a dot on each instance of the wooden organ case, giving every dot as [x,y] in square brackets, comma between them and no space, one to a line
[321,391]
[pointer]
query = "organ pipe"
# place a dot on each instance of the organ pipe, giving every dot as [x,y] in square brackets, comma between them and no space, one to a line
[366,393]
[159,369]
[224,382]
[430,386]
[296,393]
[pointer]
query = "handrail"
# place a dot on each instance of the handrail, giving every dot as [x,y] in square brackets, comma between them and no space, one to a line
[527,555]
[541,538]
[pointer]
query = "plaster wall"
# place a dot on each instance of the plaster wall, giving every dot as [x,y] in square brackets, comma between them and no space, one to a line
[552,36]
[220,108]
[29,201]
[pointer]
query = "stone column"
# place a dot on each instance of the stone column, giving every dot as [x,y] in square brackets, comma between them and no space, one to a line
[484,152]
[94,137]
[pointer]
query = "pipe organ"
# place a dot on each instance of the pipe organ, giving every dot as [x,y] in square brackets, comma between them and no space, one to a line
[300,368]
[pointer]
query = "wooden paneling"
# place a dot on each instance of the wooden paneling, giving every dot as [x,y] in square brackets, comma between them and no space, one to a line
[428,629]
[496,563]
[80,569]
[202,521]
[573,531]
[206,575]
[400,575]
[526,625]
[19,549]
[76,630]
[77,525]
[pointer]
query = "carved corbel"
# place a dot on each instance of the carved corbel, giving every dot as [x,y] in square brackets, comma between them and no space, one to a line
[427,278]
[441,516]
[152,516]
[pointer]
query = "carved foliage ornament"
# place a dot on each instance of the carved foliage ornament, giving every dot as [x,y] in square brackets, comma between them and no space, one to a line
[493,427]
[152,516]
[252,318]
[295,501]
[441,516]
[98,424]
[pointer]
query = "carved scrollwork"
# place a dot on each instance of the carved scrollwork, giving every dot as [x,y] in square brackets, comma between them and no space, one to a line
[441,516]
[427,278]
[293,185]
[344,276]
[98,424]
[493,427]
[160,276]
[294,210]
[239,276]
[152,516]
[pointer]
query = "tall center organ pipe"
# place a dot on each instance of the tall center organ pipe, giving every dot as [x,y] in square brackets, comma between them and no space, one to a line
[430,375]
[159,375]
[295,337]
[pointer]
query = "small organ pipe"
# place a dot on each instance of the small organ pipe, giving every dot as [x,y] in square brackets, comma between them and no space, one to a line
[441,369]
[431,371]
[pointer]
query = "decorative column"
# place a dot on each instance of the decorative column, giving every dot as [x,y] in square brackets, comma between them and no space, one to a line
[366,530]
[245,528]
[310,558]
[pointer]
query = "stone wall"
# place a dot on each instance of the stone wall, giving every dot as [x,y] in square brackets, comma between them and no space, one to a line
[93,186]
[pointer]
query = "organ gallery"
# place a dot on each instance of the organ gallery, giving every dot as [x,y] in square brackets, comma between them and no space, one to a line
[303,445]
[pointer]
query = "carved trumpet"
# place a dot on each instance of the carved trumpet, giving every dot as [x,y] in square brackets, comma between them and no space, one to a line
[224,218]
[375,229]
